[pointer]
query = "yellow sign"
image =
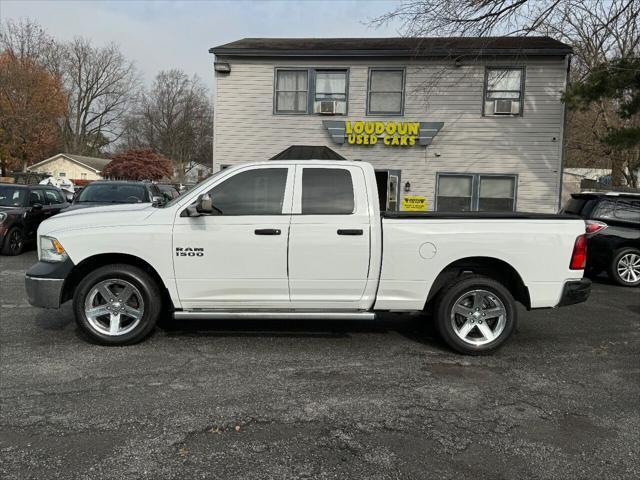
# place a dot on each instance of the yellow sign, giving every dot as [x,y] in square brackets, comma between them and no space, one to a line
[414,204]
[390,133]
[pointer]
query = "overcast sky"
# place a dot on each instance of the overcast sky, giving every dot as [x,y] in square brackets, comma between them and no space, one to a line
[161,34]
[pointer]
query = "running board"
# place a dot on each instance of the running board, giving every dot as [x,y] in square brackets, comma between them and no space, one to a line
[270,315]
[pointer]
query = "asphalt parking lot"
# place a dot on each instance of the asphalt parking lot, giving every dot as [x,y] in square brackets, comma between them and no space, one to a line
[284,400]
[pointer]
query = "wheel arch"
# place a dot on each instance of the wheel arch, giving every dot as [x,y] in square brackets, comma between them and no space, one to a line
[491,267]
[96,261]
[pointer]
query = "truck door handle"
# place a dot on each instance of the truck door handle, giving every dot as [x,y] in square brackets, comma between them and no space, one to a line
[350,232]
[267,231]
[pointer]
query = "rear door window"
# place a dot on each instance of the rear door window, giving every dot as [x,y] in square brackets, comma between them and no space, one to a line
[604,210]
[628,210]
[52,197]
[36,197]
[327,191]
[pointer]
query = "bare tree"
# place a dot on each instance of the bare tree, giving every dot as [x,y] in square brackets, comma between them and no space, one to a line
[26,41]
[101,84]
[174,118]
[598,31]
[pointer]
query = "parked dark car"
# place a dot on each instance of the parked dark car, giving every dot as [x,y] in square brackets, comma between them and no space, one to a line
[169,191]
[616,248]
[107,192]
[22,209]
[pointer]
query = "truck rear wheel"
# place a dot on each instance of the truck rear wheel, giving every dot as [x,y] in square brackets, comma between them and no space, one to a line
[475,314]
[117,304]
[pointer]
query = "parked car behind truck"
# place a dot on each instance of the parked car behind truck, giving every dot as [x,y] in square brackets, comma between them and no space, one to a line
[614,249]
[109,192]
[22,209]
[304,239]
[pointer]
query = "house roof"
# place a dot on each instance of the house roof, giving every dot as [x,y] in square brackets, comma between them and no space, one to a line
[307,152]
[395,46]
[94,163]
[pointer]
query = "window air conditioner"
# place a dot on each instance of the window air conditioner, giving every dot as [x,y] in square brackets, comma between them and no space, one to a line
[503,107]
[327,107]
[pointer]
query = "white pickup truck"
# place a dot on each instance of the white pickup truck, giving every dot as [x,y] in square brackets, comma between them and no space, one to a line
[298,240]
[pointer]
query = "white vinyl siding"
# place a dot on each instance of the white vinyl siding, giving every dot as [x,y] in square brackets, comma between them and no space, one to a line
[528,145]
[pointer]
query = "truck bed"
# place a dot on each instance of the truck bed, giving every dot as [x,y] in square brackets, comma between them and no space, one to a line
[479,215]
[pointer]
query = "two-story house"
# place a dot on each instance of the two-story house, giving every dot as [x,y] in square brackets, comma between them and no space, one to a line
[451,124]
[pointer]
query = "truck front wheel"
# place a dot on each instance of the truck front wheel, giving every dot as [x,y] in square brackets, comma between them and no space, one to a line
[117,304]
[475,314]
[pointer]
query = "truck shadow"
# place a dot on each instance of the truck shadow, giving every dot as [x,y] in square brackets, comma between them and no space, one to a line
[416,328]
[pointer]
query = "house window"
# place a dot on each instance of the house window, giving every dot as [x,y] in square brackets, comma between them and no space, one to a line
[330,95]
[62,174]
[503,91]
[83,176]
[292,87]
[311,90]
[385,95]
[475,192]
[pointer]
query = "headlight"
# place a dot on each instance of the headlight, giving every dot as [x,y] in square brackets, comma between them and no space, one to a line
[2,216]
[51,250]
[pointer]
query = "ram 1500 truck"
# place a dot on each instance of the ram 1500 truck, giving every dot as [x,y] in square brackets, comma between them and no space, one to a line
[299,240]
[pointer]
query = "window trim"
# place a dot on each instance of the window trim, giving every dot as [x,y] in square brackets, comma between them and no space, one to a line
[311,88]
[475,187]
[275,90]
[485,89]
[368,111]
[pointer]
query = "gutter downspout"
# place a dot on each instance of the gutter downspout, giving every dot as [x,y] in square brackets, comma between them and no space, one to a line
[563,128]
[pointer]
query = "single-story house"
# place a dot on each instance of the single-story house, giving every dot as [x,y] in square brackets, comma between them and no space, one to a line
[197,172]
[73,167]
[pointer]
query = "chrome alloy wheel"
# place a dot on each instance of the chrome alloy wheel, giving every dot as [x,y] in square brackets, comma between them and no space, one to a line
[478,317]
[628,267]
[114,307]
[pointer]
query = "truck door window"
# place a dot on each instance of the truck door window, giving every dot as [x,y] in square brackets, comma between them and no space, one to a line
[253,192]
[327,191]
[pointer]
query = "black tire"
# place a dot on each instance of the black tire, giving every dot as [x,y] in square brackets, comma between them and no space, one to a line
[613,270]
[13,242]
[503,326]
[147,288]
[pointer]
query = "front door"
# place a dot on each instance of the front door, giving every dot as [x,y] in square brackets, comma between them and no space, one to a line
[329,239]
[237,259]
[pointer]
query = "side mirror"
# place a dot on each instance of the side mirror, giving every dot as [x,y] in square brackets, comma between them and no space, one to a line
[204,205]
[157,200]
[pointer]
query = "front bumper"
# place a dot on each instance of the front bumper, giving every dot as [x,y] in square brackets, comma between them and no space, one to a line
[576,291]
[44,283]
[44,292]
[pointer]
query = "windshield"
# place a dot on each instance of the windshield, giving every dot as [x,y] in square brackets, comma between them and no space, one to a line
[12,196]
[113,193]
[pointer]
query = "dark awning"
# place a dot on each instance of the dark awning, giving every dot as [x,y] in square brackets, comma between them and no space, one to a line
[308,152]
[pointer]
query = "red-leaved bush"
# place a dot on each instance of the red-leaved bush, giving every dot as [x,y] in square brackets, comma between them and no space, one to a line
[138,164]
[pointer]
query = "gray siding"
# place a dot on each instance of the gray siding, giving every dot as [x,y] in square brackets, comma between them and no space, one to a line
[247,130]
